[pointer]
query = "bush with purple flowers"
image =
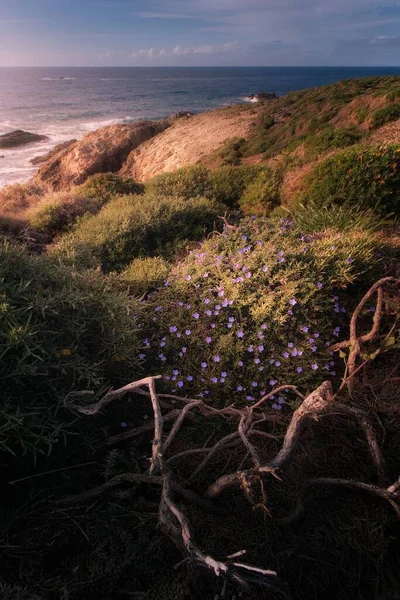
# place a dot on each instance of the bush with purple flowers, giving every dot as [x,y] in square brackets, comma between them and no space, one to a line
[261,302]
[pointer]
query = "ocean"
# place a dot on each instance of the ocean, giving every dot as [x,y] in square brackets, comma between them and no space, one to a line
[65,103]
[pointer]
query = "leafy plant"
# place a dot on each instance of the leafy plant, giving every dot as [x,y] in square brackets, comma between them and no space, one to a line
[384,115]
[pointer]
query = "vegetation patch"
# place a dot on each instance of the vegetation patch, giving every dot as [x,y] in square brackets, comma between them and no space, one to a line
[136,226]
[362,176]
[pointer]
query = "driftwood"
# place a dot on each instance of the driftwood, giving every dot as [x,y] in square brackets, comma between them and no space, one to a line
[246,422]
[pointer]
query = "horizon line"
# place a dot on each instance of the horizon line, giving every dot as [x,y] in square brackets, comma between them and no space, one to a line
[200,67]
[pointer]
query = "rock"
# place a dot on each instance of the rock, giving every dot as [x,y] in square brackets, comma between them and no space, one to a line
[101,151]
[263,96]
[37,160]
[19,138]
[182,114]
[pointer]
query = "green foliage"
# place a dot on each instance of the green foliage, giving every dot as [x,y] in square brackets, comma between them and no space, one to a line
[330,138]
[312,219]
[368,177]
[255,306]
[385,115]
[263,194]
[225,184]
[136,226]
[189,182]
[145,274]
[57,212]
[104,186]
[60,332]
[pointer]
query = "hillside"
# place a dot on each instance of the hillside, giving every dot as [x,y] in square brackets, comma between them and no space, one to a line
[200,334]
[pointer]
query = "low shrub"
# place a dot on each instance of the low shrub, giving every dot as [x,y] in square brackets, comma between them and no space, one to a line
[104,186]
[312,219]
[368,177]
[189,182]
[146,274]
[255,307]
[384,115]
[136,226]
[55,213]
[225,184]
[20,196]
[331,138]
[60,332]
[263,194]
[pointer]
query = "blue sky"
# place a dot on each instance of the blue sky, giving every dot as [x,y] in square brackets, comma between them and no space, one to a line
[199,32]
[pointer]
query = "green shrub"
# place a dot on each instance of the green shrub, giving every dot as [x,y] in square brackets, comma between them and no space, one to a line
[330,138]
[189,182]
[254,307]
[263,194]
[60,332]
[312,219]
[104,186]
[385,115]
[368,177]
[135,226]
[146,274]
[57,212]
[225,184]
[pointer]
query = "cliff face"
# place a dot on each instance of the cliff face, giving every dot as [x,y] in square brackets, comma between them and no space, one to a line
[188,142]
[101,151]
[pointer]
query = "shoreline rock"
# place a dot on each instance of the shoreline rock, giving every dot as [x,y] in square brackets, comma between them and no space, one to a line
[38,160]
[17,138]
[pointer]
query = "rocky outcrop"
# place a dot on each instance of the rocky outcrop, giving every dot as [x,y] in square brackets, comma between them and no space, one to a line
[101,151]
[188,141]
[38,160]
[16,138]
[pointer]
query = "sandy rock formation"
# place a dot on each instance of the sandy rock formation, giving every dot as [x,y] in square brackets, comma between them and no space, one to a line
[101,151]
[187,142]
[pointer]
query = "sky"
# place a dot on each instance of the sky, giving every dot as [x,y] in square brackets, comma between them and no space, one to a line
[199,33]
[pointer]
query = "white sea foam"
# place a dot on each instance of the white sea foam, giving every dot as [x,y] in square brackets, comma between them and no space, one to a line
[250,99]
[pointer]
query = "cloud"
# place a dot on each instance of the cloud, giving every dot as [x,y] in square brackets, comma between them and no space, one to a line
[187,51]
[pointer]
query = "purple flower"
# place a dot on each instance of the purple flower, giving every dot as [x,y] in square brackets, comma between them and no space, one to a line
[208,340]
[290,345]
[263,326]
[216,359]
[285,355]
[314,366]
[240,334]
[175,372]
[240,363]
[349,260]
[195,315]
[254,384]
[208,313]
[265,269]
[257,361]
[124,424]
[157,308]
[299,369]
[204,365]
[239,388]
[224,374]
[214,379]
[260,348]
[188,277]
[213,325]
[294,352]
[207,301]
[272,382]
[320,285]
[250,398]
[293,301]
[179,384]
[304,328]
[188,332]
[261,368]
[189,378]
[313,348]
[172,329]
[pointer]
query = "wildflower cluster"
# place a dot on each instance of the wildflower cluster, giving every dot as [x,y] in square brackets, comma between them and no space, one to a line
[251,308]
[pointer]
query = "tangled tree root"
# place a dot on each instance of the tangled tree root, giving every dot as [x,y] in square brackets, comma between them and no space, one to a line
[319,404]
